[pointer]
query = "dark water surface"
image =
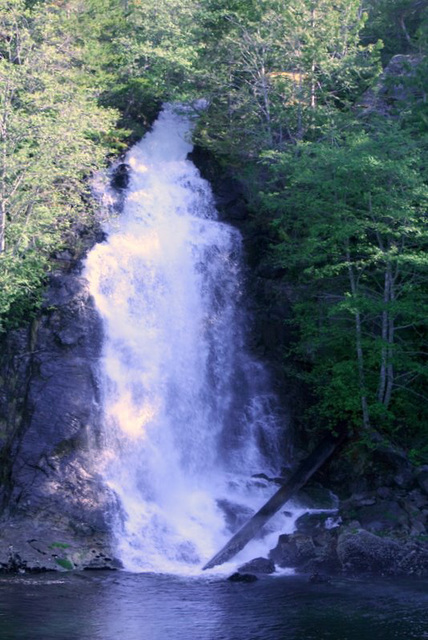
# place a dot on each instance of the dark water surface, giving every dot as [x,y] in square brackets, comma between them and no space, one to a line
[123,606]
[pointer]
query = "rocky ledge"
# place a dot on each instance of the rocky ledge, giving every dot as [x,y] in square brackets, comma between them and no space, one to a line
[381,532]
[33,548]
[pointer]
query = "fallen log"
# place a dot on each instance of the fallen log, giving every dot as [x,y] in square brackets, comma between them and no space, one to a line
[305,470]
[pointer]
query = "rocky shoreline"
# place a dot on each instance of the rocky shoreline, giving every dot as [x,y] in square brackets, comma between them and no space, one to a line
[380,532]
[29,548]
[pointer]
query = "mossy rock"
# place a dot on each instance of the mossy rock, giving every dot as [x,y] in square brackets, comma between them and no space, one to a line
[65,563]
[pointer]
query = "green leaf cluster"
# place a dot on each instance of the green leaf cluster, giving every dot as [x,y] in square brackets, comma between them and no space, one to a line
[53,135]
[351,232]
[279,72]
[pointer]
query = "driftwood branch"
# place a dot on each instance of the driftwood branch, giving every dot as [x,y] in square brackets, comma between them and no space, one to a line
[306,469]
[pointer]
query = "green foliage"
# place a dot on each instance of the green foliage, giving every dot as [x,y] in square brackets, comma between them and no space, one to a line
[350,219]
[278,71]
[141,53]
[68,70]
[399,24]
[342,198]
[65,563]
[52,136]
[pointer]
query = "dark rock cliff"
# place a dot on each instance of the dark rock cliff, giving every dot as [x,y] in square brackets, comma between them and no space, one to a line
[51,496]
[393,90]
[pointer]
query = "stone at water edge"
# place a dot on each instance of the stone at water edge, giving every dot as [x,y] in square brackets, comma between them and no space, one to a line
[242,577]
[293,550]
[120,178]
[31,547]
[364,552]
[258,565]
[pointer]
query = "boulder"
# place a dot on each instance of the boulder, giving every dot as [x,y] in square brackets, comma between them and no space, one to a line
[383,516]
[422,479]
[385,492]
[120,177]
[308,553]
[258,565]
[414,560]
[242,577]
[312,523]
[318,578]
[404,479]
[392,90]
[317,497]
[365,552]
[418,498]
[293,550]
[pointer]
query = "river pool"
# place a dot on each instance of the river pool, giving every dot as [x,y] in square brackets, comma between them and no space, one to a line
[125,606]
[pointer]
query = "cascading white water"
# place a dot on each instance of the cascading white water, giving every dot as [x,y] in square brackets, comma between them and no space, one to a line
[188,413]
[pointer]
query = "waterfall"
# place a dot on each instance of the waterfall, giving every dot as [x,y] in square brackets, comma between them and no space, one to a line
[188,413]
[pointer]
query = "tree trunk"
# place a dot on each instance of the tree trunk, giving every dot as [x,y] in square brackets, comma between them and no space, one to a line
[265,91]
[386,376]
[313,64]
[359,347]
[391,337]
[384,352]
[307,468]
[2,225]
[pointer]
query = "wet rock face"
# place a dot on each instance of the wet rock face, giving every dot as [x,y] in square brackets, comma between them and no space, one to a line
[392,91]
[49,549]
[120,178]
[50,419]
[229,198]
[258,565]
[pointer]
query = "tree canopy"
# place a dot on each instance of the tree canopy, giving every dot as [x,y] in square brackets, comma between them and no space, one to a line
[339,191]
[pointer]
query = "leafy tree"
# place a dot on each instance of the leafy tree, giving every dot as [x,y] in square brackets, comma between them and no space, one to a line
[281,69]
[397,23]
[143,52]
[351,225]
[52,135]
